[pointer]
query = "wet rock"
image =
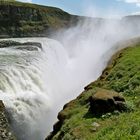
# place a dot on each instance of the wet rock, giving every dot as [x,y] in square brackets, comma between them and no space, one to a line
[1,106]
[56,128]
[8,43]
[33,44]
[105,101]
[29,46]
[5,132]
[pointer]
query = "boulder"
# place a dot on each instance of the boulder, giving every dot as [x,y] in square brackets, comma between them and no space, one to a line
[105,101]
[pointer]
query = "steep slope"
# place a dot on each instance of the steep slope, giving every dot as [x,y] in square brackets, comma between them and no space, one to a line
[122,75]
[23,19]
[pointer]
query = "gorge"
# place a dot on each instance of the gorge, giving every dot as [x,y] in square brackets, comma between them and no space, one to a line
[39,75]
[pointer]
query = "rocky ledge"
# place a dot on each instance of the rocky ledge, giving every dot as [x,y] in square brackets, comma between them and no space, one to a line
[5,132]
[29,46]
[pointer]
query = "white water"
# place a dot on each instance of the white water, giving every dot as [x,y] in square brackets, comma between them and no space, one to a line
[36,84]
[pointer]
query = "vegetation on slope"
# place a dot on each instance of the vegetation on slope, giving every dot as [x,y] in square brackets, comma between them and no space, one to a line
[122,75]
[19,19]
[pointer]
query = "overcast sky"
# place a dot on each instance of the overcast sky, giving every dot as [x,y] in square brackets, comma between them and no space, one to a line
[93,7]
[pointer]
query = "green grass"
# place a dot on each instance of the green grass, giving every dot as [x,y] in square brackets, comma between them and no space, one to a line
[123,76]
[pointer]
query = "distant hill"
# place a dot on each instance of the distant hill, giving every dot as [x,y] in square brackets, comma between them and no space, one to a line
[19,19]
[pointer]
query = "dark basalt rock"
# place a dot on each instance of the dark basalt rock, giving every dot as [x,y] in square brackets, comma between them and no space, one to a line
[56,128]
[62,116]
[8,43]
[5,132]
[33,44]
[1,106]
[105,101]
[29,46]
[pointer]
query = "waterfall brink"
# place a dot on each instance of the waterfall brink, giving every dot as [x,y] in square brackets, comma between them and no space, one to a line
[34,85]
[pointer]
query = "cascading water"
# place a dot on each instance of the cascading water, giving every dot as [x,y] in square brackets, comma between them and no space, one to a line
[34,85]
[21,89]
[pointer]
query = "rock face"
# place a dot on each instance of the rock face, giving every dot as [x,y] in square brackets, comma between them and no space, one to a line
[105,101]
[5,133]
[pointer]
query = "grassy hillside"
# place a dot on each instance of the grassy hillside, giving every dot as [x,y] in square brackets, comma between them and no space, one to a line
[24,19]
[122,75]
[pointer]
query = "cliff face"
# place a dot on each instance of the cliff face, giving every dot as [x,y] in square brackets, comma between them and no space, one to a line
[116,94]
[5,132]
[21,19]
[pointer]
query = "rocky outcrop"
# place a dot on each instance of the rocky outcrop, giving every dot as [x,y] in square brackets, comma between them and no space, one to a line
[105,101]
[29,46]
[101,102]
[62,116]
[5,132]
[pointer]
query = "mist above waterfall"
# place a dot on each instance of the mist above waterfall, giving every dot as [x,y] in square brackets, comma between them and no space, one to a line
[36,84]
[82,55]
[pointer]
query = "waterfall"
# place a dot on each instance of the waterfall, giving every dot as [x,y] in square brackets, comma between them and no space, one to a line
[21,89]
[35,85]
